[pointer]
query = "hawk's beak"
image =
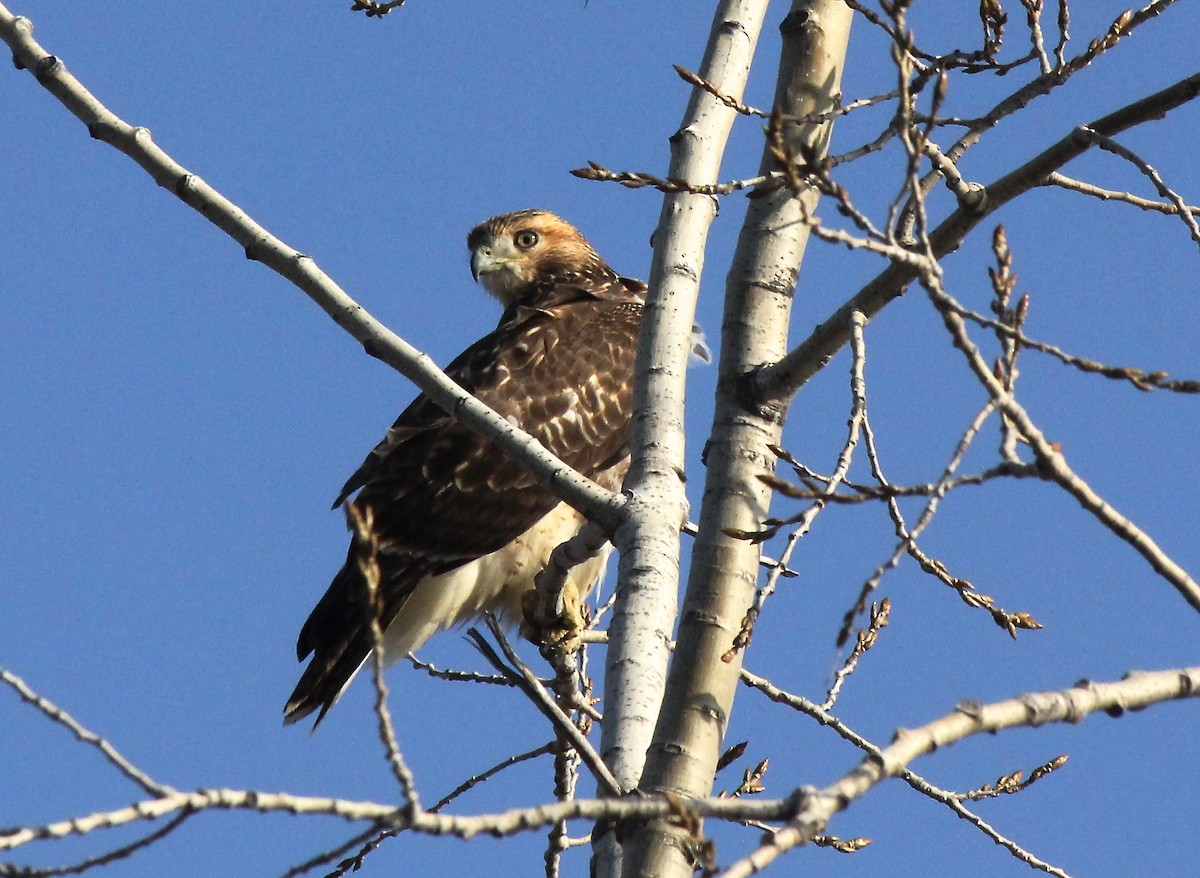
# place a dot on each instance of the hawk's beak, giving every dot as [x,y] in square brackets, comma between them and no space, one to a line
[484,260]
[493,269]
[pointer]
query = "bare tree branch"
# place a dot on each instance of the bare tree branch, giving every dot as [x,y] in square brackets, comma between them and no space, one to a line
[528,683]
[511,822]
[779,382]
[56,714]
[951,800]
[582,493]
[1181,209]
[1084,188]
[361,522]
[1052,464]
[804,520]
[104,859]
[1137,690]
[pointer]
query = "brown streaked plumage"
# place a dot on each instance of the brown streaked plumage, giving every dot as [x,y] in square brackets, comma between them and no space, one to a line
[462,528]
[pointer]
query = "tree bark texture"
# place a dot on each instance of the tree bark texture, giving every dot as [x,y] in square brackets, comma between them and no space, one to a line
[701,685]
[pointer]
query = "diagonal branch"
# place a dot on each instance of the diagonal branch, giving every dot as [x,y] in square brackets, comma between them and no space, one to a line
[369,841]
[1181,209]
[528,683]
[821,714]
[775,384]
[55,713]
[597,504]
[1052,465]
[1134,692]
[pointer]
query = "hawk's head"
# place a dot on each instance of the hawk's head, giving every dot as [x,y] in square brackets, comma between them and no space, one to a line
[513,253]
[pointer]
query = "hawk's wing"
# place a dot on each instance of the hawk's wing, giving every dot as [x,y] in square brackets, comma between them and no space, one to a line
[442,496]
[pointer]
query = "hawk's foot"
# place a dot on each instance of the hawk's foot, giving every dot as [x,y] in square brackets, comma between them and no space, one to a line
[549,626]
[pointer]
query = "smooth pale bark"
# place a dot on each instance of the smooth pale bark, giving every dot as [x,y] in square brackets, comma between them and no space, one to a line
[700,686]
[648,538]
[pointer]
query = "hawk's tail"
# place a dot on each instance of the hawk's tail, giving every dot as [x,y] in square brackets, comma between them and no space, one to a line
[338,631]
[337,634]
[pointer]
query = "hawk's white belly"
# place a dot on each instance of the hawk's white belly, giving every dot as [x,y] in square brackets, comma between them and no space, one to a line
[493,583]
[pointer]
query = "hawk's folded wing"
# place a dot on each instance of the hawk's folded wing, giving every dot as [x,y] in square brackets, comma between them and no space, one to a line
[441,496]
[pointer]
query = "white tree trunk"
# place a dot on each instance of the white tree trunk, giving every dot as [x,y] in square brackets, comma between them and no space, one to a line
[648,540]
[762,279]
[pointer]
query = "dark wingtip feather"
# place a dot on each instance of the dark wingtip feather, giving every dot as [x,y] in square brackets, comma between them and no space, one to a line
[335,636]
[323,682]
[302,704]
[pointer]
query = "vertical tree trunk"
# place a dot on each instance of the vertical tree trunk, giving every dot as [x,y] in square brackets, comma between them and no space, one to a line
[648,572]
[700,686]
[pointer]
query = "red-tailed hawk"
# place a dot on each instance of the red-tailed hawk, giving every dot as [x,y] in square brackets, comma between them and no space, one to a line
[462,528]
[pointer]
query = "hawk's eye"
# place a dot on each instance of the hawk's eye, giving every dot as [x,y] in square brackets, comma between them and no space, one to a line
[526,239]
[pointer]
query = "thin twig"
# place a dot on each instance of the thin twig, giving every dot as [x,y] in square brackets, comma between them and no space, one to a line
[1132,692]
[477,779]
[56,714]
[776,383]
[329,856]
[858,410]
[361,522]
[1181,209]
[804,520]
[745,110]
[1070,183]
[876,493]
[458,676]
[528,682]
[1142,379]
[864,641]
[368,841]
[1050,459]
[914,780]
[1033,18]
[8,871]
[641,180]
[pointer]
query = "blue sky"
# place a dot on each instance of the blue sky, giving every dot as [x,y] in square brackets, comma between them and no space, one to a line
[177,420]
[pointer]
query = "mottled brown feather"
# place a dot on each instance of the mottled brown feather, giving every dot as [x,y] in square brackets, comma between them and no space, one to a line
[560,365]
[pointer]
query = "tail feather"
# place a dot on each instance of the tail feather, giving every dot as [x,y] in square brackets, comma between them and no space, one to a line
[319,688]
[338,636]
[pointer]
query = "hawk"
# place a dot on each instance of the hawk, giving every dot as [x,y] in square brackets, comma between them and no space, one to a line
[463,529]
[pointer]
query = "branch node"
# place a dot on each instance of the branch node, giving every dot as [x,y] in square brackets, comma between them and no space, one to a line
[751,398]
[47,68]
[184,185]
[975,198]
